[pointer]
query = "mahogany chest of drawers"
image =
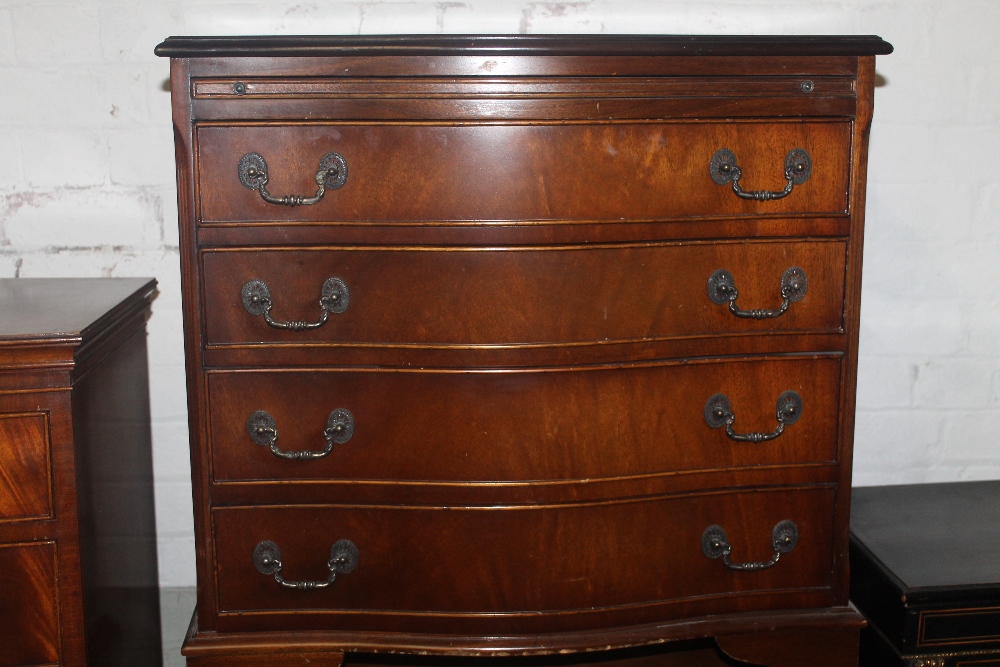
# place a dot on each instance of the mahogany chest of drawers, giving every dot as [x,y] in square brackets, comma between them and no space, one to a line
[78,570]
[521,345]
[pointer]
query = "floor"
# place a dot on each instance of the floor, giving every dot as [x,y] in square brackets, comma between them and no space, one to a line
[176,606]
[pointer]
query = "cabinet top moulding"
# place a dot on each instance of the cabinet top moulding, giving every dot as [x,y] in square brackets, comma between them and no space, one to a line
[537,45]
[51,327]
[66,309]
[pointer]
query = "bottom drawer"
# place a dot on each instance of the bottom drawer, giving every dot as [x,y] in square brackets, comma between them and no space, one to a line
[29,619]
[503,568]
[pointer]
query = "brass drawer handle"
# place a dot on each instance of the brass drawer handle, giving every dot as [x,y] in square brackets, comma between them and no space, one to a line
[719,413]
[332,175]
[714,544]
[343,559]
[723,169]
[334,298]
[264,431]
[722,289]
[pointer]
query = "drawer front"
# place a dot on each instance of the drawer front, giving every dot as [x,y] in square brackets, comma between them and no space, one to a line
[25,483]
[525,560]
[521,296]
[29,620]
[556,424]
[567,172]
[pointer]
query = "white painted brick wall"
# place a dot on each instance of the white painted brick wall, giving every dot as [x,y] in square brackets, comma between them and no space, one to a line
[57,33]
[10,158]
[43,173]
[87,189]
[81,217]
[6,38]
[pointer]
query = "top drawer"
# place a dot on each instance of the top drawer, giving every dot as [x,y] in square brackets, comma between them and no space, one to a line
[434,173]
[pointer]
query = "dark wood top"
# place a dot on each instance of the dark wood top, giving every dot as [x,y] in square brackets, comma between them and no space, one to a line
[524,45]
[65,308]
[932,535]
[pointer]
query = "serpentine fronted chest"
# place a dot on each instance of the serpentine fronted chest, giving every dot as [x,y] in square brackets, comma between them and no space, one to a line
[521,345]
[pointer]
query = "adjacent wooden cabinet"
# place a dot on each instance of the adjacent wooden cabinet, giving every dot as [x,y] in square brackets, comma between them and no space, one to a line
[522,346]
[78,571]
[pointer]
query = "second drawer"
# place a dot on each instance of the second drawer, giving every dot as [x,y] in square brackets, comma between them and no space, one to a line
[553,295]
[521,425]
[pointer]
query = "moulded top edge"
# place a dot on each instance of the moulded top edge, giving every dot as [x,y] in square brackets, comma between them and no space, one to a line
[66,309]
[527,45]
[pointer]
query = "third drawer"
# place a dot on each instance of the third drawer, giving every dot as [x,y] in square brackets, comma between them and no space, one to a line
[520,425]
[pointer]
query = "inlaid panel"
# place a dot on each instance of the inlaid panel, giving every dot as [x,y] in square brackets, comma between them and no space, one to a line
[29,616]
[25,489]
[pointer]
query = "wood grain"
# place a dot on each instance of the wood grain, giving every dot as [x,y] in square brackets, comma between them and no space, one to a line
[516,568]
[413,173]
[272,659]
[29,613]
[76,513]
[442,297]
[25,477]
[606,88]
[527,231]
[520,649]
[50,309]
[621,422]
